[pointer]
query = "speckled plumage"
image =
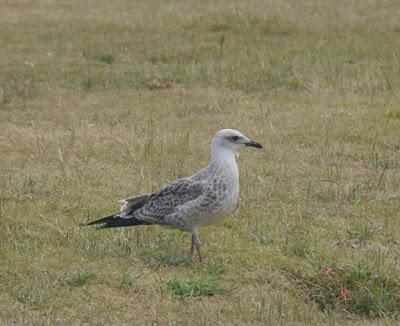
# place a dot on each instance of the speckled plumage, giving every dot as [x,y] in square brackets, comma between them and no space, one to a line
[190,203]
[194,201]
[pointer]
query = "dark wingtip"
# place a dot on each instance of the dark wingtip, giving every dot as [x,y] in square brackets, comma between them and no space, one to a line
[103,220]
[93,224]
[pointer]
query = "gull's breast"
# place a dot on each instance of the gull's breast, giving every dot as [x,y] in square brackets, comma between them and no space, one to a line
[222,197]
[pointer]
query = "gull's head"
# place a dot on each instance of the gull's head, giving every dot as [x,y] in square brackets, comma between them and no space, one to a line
[231,140]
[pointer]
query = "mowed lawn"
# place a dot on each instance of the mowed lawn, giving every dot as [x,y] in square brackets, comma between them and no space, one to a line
[100,100]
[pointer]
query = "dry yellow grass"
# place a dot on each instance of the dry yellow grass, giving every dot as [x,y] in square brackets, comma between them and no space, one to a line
[315,81]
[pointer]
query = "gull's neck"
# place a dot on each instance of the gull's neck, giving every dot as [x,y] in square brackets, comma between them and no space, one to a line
[222,156]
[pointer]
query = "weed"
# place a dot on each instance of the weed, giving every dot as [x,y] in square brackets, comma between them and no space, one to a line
[14,87]
[393,114]
[24,294]
[221,42]
[363,233]
[30,186]
[355,289]
[260,238]
[128,281]
[104,57]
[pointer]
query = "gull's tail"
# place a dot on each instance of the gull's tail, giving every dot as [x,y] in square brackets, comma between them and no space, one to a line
[125,216]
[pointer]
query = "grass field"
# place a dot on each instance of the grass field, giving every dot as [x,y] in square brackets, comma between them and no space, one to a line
[100,100]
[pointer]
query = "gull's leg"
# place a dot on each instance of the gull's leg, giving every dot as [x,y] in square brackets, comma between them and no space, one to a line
[192,247]
[197,244]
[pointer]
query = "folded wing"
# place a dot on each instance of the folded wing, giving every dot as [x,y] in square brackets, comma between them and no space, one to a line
[154,208]
[165,201]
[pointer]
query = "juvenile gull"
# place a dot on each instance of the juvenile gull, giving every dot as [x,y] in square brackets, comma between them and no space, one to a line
[190,203]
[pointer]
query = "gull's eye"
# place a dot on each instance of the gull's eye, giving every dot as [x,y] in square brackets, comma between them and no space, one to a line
[235,138]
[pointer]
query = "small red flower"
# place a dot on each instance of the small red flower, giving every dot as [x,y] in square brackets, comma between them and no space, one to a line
[328,271]
[344,294]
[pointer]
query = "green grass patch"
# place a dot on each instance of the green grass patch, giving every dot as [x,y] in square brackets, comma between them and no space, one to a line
[167,260]
[214,269]
[79,279]
[296,247]
[193,288]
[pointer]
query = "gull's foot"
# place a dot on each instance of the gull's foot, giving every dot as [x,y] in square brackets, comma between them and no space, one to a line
[203,260]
